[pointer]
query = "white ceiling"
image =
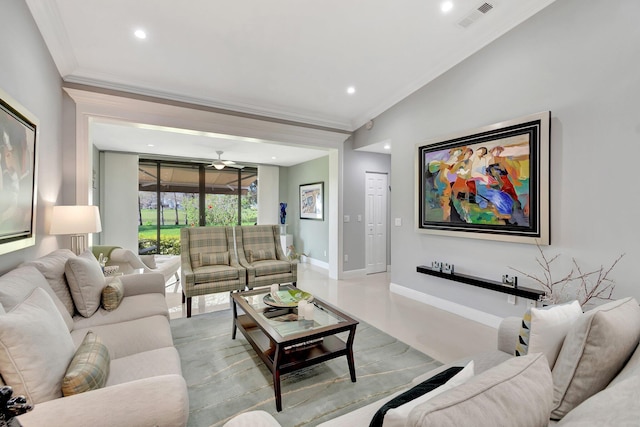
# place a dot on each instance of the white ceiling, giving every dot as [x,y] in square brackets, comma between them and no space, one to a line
[286,59]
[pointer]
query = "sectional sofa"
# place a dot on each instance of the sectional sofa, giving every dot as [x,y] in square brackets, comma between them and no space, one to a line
[580,369]
[87,350]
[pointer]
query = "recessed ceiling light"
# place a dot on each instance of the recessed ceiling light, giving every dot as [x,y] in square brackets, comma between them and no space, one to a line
[446,6]
[273,157]
[140,34]
[351,90]
[387,147]
[150,145]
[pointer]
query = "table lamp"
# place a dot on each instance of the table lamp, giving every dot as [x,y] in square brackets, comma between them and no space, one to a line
[76,221]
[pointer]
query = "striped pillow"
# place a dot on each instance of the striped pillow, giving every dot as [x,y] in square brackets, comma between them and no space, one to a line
[259,255]
[89,368]
[112,294]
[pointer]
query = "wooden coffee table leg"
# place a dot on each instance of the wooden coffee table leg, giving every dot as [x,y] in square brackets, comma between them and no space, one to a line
[235,319]
[276,379]
[350,361]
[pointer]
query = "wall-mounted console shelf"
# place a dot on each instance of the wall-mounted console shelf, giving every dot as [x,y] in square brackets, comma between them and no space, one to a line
[533,294]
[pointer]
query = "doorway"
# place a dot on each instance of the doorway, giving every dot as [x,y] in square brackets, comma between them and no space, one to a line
[376,188]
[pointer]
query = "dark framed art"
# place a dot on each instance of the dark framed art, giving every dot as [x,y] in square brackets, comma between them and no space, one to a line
[489,183]
[18,175]
[312,201]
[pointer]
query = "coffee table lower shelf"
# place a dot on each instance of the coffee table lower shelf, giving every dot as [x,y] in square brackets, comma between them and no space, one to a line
[281,358]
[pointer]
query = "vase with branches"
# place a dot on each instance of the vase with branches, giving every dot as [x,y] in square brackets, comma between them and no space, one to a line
[584,286]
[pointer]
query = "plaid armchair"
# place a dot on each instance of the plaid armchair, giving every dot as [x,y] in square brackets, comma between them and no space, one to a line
[260,253]
[209,262]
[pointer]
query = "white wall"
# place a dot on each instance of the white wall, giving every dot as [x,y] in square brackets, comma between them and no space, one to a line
[28,75]
[268,189]
[119,200]
[581,61]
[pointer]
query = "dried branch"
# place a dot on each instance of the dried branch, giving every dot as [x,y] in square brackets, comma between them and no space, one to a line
[589,287]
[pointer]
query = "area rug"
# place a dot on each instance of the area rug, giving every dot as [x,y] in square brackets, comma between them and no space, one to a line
[225,377]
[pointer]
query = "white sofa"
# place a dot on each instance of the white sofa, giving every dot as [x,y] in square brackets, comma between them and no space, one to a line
[595,381]
[144,383]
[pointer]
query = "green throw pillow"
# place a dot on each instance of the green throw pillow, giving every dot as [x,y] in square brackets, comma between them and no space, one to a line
[112,294]
[89,368]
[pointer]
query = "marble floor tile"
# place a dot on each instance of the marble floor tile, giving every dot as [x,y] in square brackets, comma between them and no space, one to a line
[437,333]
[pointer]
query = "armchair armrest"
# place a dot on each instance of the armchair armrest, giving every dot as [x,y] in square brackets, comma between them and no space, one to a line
[508,332]
[138,284]
[156,401]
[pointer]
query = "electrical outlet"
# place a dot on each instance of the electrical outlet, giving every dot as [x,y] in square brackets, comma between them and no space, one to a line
[346,258]
[436,266]
[325,253]
[531,303]
[447,268]
[511,299]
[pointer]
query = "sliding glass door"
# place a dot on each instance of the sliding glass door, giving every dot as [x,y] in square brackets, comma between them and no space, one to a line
[172,195]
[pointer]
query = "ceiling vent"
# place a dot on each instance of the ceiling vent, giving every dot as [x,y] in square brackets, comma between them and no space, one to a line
[475,14]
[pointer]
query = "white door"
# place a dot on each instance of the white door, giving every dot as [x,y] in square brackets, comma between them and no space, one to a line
[376,221]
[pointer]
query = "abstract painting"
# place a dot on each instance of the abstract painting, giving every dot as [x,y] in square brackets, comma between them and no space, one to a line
[490,183]
[311,201]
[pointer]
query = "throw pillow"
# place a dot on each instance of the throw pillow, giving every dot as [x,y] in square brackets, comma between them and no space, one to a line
[35,348]
[260,255]
[215,258]
[89,368]
[517,392]
[52,268]
[86,281]
[543,329]
[594,351]
[112,294]
[396,412]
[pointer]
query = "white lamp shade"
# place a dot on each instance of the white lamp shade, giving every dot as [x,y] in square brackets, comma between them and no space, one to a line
[75,220]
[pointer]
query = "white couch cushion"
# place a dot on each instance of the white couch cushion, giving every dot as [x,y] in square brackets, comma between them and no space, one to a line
[52,268]
[86,281]
[594,351]
[544,329]
[517,392]
[616,406]
[147,364]
[17,284]
[131,337]
[397,417]
[130,308]
[35,349]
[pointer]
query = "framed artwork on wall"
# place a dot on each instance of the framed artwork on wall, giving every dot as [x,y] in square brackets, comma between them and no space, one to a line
[18,175]
[489,183]
[312,201]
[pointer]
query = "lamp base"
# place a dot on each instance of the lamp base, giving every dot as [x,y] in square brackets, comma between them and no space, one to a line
[78,243]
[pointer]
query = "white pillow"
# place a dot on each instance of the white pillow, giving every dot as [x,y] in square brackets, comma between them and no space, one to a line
[35,348]
[397,417]
[547,328]
[86,281]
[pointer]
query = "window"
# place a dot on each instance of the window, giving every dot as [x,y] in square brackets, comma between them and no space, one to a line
[173,195]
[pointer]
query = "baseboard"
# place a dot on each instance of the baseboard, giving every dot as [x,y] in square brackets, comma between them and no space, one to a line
[443,304]
[316,262]
[354,274]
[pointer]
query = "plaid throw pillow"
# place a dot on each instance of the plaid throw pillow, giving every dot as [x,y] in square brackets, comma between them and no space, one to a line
[89,368]
[260,255]
[214,258]
[112,294]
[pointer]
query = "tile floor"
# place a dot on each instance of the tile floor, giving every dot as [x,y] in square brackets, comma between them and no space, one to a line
[437,333]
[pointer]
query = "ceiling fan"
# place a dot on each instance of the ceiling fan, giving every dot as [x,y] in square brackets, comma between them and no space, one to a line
[220,164]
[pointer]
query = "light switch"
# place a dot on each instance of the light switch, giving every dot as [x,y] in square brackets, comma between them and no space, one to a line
[347,218]
[398,222]
[359,218]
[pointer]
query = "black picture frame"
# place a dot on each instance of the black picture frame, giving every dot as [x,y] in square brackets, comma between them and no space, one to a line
[312,201]
[489,183]
[18,175]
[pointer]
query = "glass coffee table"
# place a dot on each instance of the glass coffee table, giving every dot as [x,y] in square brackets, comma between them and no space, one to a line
[286,344]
